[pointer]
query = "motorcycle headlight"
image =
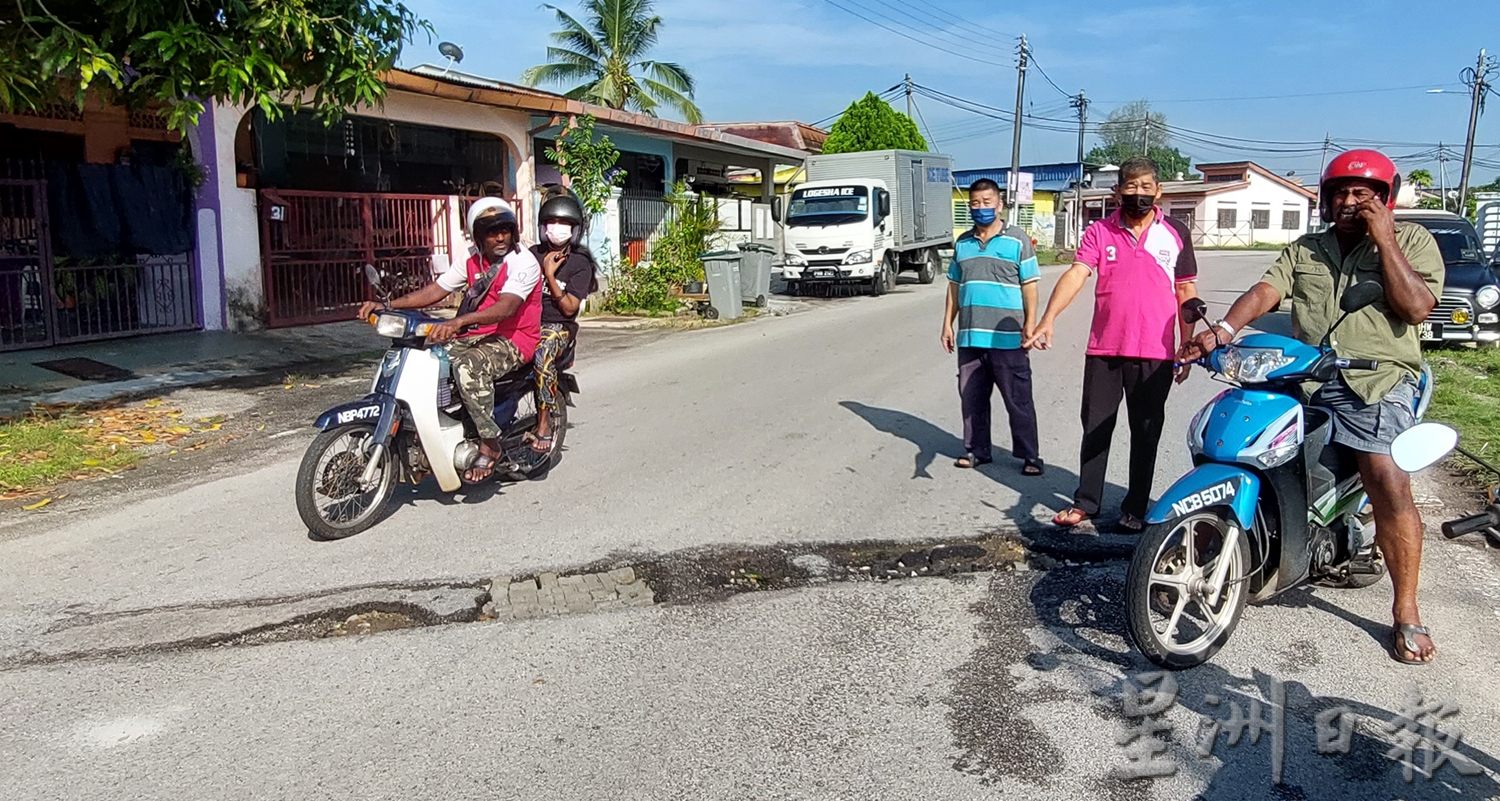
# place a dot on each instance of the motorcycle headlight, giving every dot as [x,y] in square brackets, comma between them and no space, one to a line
[1487,297]
[1251,365]
[390,325]
[858,257]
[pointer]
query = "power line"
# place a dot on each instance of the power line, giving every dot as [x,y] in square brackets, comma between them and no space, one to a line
[952,51]
[968,22]
[1290,96]
[1038,66]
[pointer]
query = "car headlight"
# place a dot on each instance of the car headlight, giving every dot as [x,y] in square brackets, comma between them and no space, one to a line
[1251,365]
[390,325]
[794,260]
[858,257]
[1487,297]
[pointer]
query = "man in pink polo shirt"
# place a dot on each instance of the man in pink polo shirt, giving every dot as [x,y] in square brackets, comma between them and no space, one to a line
[1146,269]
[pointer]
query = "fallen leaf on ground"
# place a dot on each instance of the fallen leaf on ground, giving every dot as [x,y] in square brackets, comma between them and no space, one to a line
[39,504]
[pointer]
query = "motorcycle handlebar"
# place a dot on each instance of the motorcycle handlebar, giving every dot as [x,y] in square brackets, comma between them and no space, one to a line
[1357,364]
[1489,518]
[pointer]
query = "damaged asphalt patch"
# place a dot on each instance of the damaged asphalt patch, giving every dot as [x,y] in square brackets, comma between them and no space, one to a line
[621,582]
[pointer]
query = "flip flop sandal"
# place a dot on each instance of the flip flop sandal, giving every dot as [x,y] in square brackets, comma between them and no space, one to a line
[1071,517]
[1404,638]
[535,441]
[1033,467]
[481,462]
[969,462]
[1132,524]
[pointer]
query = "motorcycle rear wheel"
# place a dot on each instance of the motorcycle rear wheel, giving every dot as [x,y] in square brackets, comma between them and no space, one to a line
[329,498]
[1168,614]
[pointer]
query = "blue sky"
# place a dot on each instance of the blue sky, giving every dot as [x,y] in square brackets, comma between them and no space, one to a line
[1199,63]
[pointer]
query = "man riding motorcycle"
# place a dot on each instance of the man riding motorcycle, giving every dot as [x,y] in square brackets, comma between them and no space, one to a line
[1369,408]
[498,325]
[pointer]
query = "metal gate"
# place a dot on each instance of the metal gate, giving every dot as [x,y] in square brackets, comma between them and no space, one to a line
[46,299]
[314,246]
[26,302]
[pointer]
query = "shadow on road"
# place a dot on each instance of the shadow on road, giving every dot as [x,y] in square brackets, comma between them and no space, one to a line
[1086,647]
[1052,490]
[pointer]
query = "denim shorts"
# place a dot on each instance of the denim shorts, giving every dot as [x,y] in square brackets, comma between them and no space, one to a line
[1368,427]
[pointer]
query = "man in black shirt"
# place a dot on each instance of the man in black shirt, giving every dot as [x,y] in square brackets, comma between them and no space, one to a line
[569,274]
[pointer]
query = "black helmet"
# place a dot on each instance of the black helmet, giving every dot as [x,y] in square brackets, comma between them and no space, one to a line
[563,208]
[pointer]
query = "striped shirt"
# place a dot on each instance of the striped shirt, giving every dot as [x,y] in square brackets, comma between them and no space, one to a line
[989,277]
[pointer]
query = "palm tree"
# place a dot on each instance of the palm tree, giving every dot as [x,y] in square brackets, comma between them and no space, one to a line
[606,55]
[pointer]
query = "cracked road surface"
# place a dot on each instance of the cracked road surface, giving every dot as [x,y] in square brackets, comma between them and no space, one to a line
[831,426]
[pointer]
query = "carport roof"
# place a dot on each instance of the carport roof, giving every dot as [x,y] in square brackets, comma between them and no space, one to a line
[438,82]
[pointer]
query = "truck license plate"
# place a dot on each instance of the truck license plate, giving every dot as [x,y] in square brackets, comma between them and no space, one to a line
[822,273]
[1430,331]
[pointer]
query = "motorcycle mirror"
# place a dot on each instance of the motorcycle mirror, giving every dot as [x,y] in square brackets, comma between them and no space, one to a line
[372,275]
[1194,309]
[1422,446]
[1360,295]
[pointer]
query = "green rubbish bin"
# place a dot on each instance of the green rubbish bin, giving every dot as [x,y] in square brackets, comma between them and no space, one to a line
[722,269]
[755,273]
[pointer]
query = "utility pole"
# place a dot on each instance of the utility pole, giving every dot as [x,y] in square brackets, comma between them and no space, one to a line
[1082,104]
[908,97]
[1146,136]
[1443,175]
[1015,140]
[1324,163]
[1476,106]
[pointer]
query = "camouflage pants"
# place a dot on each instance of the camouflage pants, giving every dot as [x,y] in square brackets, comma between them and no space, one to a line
[477,362]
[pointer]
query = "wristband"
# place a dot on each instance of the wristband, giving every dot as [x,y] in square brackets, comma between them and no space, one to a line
[1229,329]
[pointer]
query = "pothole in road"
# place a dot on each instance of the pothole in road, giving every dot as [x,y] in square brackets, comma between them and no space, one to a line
[623,581]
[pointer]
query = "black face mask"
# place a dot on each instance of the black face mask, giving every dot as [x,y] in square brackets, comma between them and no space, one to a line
[1136,205]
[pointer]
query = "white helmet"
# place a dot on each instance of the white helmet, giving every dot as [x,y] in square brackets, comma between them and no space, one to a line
[488,208]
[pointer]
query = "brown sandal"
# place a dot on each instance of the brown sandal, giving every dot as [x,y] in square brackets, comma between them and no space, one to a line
[1071,517]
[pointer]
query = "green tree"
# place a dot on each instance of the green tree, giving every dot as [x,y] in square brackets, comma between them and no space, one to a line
[586,161]
[606,54]
[1419,178]
[1134,126]
[871,124]
[185,53]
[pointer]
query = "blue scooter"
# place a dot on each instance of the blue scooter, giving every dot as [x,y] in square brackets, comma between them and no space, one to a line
[1269,506]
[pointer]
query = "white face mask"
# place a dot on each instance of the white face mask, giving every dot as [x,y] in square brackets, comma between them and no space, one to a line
[559,234]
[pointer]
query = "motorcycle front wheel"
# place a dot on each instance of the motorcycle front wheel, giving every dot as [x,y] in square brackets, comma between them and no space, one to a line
[330,497]
[1174,616]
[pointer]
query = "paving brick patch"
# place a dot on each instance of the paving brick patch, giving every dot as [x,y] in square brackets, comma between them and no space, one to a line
[550,594]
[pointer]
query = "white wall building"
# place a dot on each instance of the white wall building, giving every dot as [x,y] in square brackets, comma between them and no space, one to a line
[1239,204]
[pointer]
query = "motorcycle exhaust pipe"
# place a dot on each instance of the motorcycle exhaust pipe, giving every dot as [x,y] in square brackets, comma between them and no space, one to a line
[464,455]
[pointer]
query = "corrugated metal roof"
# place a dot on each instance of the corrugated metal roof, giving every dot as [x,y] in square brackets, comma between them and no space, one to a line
[1044,177]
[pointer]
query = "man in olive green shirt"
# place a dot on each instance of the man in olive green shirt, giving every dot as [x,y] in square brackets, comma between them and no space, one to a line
[1369,408]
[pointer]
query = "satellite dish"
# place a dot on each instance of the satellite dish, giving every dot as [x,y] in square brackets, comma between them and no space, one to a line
[451,51]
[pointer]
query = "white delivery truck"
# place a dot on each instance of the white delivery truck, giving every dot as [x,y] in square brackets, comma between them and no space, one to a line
[862,218]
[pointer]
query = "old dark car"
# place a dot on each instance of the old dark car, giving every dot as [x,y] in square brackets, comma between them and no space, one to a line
[1468,311]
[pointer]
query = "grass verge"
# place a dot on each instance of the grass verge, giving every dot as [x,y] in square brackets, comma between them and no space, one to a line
[1468,396]
[53,445]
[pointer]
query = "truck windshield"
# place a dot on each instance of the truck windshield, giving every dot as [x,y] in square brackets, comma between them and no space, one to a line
[828,205]
[1457,241]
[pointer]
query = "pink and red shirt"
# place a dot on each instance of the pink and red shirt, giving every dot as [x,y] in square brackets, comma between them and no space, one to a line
[519,275]
[1135,300]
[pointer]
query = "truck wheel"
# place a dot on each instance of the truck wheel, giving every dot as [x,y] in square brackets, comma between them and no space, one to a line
[928,272]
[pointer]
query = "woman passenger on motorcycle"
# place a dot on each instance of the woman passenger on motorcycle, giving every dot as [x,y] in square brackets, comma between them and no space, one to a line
[569,275]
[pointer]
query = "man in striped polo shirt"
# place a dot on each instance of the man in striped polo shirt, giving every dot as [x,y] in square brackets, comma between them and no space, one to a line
[993,296]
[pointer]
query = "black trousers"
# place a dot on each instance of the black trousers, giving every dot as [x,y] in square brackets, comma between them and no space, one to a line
[979,371]
[1144,384]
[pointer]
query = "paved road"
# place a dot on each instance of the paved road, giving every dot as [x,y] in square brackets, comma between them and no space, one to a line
[828,426]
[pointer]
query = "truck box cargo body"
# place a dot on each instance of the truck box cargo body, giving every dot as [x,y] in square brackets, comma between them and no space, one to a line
[861,218]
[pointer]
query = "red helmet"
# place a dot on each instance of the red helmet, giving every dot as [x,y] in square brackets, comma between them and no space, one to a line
[1371,165]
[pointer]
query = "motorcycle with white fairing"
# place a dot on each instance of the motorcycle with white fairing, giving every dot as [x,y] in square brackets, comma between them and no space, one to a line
[1270,505]
[412,423]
